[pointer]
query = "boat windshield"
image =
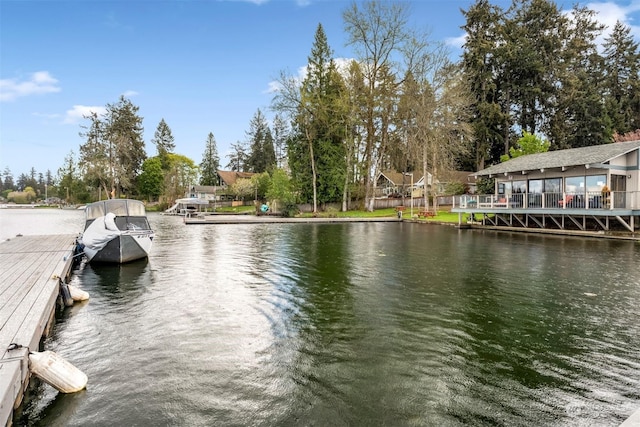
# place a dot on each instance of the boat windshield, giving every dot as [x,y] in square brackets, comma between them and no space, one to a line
[94,210]
[136,208]
[119,207]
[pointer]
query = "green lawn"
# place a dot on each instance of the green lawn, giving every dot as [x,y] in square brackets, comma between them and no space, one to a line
[237,209]
[442,216]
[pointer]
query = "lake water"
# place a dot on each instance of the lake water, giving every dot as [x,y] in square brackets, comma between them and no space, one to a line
[347,324]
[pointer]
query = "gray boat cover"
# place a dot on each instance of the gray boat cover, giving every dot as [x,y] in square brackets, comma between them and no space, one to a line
[101,231]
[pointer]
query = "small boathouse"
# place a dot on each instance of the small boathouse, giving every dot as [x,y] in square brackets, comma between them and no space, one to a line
[589,190]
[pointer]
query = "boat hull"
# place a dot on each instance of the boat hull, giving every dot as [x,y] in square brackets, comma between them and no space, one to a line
[123,248]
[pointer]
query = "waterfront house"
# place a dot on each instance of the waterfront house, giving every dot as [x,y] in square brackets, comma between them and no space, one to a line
[228,178]
[593,188]
[204,192]
[392,183]
[218,193]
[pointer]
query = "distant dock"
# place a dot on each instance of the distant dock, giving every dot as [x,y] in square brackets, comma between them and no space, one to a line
[32,269]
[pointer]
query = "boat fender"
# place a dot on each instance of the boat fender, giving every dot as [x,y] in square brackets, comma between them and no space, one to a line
[57,372]
[78,249]
[67,300]
[77,294]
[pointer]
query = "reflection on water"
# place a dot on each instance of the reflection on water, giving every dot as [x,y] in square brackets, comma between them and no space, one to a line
[353,324]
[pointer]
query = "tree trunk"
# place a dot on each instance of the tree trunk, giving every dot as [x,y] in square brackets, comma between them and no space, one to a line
[345,190]
[434,186]
[313,172]
[426,179]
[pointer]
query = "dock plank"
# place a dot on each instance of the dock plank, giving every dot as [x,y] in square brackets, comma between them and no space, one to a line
[31,268]
[14,290]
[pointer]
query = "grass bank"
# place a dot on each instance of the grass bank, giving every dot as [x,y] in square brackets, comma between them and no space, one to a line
[442,215]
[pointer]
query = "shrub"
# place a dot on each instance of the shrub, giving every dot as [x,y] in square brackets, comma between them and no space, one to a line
[289,209]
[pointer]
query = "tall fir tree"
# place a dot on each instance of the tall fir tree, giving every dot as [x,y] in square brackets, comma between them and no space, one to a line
[210,162]
[262,156]
[577,117]
[481,68]
[164,142]
[622,81]
[317,157]
[237,158]
[114,151]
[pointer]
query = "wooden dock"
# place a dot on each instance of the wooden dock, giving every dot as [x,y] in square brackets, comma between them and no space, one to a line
[31,271]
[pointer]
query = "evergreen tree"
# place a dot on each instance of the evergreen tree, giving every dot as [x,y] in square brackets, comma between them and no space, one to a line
[49,178]
[70,186]
[113,153]
[97,155]
[237,158]
[22,182]
[578,117]
[32,181]
[322,121]
[262,156]
[164,141]
[7,180]
[622,81]
[124,130]
[210,162]
[482,67]
[534,38]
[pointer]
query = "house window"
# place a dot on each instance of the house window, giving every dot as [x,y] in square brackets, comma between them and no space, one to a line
[574,184]
[504,187]
[519,186]
[596,182]
[535,193]
[552,190]
[535,186]
[553,185]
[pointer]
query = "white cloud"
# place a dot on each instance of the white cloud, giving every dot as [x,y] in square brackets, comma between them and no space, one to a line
[610,12]
[273,87]
[79,112]
[38,83]
[457,42]
[129,93]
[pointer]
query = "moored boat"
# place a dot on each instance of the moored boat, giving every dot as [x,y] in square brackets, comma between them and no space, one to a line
[116,231]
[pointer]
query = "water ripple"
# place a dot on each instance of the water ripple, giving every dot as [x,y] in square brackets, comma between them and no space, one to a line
[357,324]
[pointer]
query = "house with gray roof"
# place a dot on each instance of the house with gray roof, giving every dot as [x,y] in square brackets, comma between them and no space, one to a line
[589,188]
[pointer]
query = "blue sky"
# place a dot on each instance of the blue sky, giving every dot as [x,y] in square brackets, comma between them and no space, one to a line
[203,66]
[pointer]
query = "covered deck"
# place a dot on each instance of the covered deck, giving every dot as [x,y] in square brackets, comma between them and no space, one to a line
[561,211]
[588,189]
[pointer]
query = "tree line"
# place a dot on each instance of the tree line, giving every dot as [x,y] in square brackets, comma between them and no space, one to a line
[402,103]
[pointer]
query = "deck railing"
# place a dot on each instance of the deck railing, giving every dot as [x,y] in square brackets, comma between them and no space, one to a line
[566,200]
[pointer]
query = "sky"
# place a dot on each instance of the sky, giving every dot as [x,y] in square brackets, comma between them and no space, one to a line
[201,65]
